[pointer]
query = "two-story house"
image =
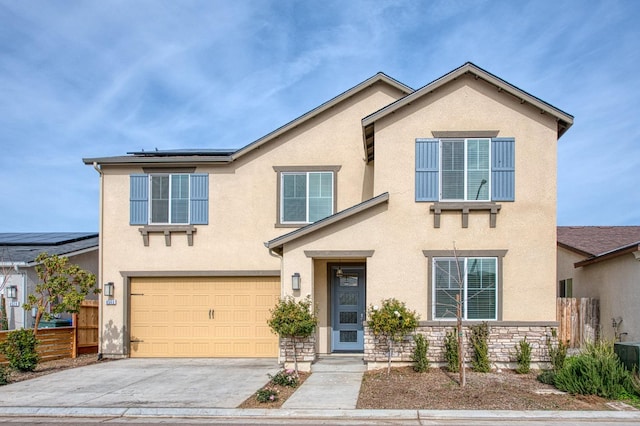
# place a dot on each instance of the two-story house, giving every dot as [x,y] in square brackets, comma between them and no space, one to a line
[383,191]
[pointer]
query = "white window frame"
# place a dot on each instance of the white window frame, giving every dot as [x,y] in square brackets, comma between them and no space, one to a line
[465,260]
[466,197]
[170,204]
[307,175]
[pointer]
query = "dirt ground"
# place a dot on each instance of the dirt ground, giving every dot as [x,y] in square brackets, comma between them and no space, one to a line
[440,390]
[49,367]
[284,392]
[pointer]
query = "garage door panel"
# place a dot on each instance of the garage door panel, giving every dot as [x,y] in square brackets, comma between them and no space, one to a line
[203,317]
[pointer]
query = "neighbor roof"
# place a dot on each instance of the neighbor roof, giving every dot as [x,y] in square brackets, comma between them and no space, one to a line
[599,242]
[23,248]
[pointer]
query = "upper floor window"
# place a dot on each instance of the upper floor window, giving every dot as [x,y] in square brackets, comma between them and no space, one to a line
[465,169]
[306,196]
[169,198]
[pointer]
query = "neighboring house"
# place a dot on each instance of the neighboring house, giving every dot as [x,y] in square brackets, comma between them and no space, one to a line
[603,262]
[18,253]
[361,199]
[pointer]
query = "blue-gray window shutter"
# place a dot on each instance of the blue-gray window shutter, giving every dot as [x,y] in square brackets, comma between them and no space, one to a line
[199,199]
[139,199]
[427,162]
[503,166]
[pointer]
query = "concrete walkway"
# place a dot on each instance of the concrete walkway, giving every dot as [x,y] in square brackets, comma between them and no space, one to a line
[334,384]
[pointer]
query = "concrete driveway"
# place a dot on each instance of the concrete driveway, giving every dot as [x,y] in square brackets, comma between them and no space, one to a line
[174,382]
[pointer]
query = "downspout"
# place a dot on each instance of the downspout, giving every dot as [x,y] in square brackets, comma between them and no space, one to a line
[100,257]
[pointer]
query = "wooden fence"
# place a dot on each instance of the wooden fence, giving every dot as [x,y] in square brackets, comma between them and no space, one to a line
[68,342]
[579,320]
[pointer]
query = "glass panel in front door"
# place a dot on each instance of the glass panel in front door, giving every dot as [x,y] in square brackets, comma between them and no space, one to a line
[348,303]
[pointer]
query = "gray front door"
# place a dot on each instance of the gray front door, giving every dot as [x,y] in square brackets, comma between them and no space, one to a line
[347,308]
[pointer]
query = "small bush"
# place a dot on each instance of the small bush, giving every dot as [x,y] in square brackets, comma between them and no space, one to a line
[596,371]
[20,350]
[557,354]
[451,350]
[523,356]
[267,395]
[479,339]
[548,377]
[419,357]
[5,372]
[287,378]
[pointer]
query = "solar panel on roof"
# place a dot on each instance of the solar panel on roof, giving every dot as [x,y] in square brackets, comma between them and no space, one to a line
[42,238]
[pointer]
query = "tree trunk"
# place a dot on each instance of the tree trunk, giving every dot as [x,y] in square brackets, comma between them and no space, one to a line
[37,322]
[4,322]
[295,354]
[390,344]
[463,379]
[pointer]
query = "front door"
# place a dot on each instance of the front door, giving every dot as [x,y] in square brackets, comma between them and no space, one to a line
[347,308]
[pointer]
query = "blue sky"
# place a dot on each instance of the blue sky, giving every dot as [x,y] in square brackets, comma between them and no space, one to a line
[101,78]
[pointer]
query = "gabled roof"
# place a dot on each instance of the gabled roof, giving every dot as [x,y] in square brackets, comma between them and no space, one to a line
[564,120]
[598,243]
[277,243]
[23,248]
[200,156]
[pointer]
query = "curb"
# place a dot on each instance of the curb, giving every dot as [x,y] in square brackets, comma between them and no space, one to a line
[178,412]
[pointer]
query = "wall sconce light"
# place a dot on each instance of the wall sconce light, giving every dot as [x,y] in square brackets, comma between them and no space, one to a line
[12,292]
[34,312]
[295,281]
[108,289]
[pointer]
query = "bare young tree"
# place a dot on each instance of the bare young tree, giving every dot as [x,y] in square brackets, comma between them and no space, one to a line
[455,305]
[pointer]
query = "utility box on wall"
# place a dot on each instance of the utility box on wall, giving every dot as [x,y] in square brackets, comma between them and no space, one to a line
[629,354]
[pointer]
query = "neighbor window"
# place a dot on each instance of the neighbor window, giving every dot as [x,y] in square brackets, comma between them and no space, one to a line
[565,288]
[306,197]
[474,279]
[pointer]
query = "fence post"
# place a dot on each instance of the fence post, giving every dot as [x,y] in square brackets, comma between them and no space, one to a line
[74,334]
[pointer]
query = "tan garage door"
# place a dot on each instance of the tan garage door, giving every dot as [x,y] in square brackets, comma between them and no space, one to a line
[203,317]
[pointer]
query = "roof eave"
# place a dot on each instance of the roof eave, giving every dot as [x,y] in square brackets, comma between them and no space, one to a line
[379,77]
[631,248]
[277,244]
[564,120]
[126,161]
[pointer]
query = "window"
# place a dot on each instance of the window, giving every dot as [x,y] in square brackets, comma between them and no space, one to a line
[475,279]
[306,197]
[169,199]
[565,288]
[465,169]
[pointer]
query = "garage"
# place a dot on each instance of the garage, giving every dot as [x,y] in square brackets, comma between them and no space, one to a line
[202,317]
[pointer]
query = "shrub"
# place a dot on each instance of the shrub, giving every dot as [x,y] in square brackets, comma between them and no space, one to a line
[393,320]
[523,356]
[557,354]
[596,371]
[293,319]
[5,372]
[548,377]
[479,339]
[267,395]
[419,357]
[20,349]
[451,351]
[287,378]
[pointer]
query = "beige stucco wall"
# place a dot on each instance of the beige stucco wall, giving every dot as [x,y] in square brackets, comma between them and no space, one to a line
[242,205]
[615,282]
[400,230]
